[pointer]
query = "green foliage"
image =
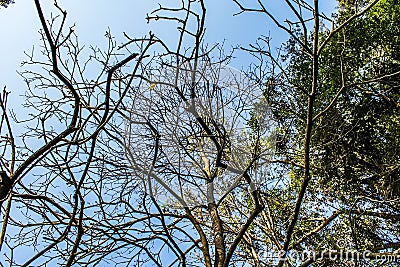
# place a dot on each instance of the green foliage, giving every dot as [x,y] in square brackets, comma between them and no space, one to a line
[355,145]
[357,140]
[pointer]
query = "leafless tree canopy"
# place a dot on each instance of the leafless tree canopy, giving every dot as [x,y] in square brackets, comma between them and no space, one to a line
[157,154]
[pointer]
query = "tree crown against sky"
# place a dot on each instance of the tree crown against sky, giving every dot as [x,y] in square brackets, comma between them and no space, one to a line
[159,153]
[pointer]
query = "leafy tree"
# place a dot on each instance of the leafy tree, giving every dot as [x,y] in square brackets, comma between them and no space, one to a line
[355,135]
[359,148]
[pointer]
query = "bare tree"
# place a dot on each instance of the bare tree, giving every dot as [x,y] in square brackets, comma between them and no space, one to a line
[195,136]
[46,170]
[153,151]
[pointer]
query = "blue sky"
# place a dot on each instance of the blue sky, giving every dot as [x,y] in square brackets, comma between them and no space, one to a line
[20,25]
